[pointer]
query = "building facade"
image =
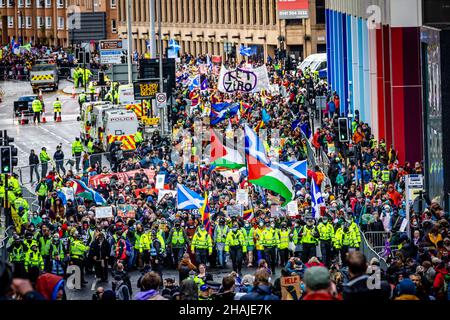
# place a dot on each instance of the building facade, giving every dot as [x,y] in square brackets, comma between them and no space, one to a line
[212,26]
[49,21]
[374,65]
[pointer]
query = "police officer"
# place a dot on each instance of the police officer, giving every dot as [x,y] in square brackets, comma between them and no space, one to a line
[56,108]
[37,108]
[220,236]
[138,138]
[295,237]
[41,192]
[326,235]
[44,158]
[16,254]
[44,247]
[81,100]
[236,245]
[385,175]
[77,252]
[343,240]
[248,232]
[34,264]
[177,241]
[58,156]
[355,234]
[57,255]
[77,149]
[309,238]
[201,245]
[157,252]
[283,248]
[270,241]
[92,90]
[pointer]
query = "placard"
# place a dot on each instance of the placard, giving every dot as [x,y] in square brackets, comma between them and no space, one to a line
[234,210]
[243,80]
[242,196]
[160,181]
[126,211]
[275,211]
[404,225]
[103,212]
[162,193]
[290,288]
[292,208]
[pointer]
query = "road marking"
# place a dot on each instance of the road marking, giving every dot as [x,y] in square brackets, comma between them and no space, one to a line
[54,134]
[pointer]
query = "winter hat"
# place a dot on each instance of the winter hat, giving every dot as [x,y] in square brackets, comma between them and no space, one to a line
[407,287]
[317,278]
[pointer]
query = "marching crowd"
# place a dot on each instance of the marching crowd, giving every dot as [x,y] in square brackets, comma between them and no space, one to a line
[148,233]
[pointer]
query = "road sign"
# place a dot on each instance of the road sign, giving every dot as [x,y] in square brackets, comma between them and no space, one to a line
[119,73]
[146,89]
[113,51]
[161,99]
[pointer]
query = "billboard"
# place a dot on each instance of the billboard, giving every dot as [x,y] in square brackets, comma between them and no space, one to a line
[293,9]
[112,51]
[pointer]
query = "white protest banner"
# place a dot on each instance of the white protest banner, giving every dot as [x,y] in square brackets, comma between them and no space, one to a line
[160,181]
[162,193]
[242,197]
[234,210]
[244,80]
[292,208]
[275,211]
[403,225]
[103,212]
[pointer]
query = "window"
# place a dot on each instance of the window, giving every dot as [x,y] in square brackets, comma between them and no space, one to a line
[2,3]
[48,22]
[39,3]
[113,26]
[60,23]
[19,21]
[28,3]
[48,3]
[10,3]
[113,4]
[28,22]
[60,4]
[20,4]
[10,21]
[39,22]
[320,11]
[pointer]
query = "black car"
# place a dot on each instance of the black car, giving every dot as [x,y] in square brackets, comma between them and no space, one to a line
[23,104]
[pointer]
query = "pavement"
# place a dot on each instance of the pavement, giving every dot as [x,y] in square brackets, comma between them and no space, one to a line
[85,293]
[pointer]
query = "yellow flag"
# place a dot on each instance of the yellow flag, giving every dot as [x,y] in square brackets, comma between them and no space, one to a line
[17,220]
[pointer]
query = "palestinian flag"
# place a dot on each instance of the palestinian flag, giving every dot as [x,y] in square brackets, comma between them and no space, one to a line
[82,190]
[222,156]
[262,172]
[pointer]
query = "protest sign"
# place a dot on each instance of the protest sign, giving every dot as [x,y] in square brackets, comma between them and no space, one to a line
[103,212]
[290,288]
[162,193]
[292,208]
[242,197]
[126,211]
[160,181]
[275,211]
[234,210]
[121,177]
[243,80]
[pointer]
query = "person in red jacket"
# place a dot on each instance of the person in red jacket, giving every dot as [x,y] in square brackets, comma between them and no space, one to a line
[439,284]
[319,285]
[394,195]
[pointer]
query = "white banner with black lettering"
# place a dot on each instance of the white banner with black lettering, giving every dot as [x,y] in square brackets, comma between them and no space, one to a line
[244,80]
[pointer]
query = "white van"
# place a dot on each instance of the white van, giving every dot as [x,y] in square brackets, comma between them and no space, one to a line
[315,62]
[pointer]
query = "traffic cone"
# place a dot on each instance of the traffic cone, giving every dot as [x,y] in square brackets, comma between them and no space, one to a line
[73,93]
[43,118]
[22,119]
[40,94]
[58,118]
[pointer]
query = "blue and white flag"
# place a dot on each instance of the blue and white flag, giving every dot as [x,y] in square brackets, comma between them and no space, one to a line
[204,85]
[306,130]
[230,111]
[220,106]
[316,199]
[265,116]
[174,45]
[147,42]
[195,83]
[245,51]
[298,169]
[188,199]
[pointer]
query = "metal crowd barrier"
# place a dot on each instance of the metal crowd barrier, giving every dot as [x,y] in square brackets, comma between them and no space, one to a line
[370,253]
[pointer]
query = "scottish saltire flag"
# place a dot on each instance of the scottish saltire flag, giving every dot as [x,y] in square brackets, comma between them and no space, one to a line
[254,146]
[220,106]
[295,124]
[147,43]
[306,130]
[82,190]
[205,213]
[298,169]
[316,199]
[195,83]
[245,51]
[217,117]
[188,199]
[174,45]
[62,196]
[184,76]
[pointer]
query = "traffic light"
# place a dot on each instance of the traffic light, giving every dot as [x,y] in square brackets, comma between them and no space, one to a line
[343,129]
[5,160]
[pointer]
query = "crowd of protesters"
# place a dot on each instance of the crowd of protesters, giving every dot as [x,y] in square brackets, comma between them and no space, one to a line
[149,234]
